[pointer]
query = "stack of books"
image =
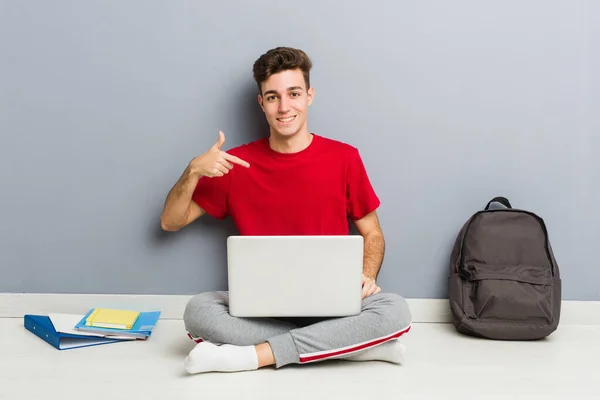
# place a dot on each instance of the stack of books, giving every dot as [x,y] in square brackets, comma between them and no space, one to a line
[113,322]
[97,326]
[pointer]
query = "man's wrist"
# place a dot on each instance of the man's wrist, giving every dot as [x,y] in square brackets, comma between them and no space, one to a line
[193,173]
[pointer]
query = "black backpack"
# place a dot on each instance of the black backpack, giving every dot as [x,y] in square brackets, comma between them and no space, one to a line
[504,281]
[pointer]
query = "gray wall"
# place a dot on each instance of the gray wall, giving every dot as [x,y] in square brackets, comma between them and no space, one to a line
[103,104]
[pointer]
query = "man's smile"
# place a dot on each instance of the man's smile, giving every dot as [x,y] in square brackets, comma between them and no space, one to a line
[286,120]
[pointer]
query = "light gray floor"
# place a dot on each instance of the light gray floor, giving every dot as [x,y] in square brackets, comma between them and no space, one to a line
[440,365]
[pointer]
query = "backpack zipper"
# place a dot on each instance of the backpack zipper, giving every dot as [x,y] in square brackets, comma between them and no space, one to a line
[462,272]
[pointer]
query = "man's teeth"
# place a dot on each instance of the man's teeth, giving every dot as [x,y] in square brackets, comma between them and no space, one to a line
[285,119]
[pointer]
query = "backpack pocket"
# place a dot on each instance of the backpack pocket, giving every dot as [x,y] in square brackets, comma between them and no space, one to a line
[508,293]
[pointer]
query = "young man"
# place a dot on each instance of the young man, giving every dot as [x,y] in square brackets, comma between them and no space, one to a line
[292,182]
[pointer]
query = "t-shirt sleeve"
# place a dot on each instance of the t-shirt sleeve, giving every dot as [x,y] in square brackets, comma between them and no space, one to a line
[361,198]
[211,194]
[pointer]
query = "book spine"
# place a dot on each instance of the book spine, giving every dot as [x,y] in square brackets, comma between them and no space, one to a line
[41,332]
[90,319]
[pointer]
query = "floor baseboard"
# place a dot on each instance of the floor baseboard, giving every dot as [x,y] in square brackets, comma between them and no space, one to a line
[15,305]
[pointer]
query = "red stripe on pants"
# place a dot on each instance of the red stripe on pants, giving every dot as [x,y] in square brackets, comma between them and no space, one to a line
[363,346]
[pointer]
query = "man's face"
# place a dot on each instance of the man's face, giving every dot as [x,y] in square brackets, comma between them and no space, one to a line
[285,101]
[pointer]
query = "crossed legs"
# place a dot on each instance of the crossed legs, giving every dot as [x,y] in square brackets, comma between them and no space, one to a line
[227,343]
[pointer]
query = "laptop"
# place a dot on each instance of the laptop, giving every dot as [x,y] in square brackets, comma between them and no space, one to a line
[295,276]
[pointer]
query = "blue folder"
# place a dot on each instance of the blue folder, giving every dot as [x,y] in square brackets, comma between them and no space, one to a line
[42,327]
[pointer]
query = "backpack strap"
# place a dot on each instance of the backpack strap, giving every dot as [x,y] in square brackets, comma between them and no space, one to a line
[502,200]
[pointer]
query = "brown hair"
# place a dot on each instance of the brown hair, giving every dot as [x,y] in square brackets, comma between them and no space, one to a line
[280,59]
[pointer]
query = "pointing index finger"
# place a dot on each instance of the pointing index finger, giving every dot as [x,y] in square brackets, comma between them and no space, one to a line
[235,160]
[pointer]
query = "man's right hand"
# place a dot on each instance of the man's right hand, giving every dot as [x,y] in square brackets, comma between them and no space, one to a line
[215,162]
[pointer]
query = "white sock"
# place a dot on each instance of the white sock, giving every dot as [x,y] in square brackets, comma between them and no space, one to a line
[207,357]
[392,351]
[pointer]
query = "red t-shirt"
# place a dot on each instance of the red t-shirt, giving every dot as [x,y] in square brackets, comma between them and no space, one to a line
[311,192]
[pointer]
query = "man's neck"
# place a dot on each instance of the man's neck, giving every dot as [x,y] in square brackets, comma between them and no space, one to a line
[292,144]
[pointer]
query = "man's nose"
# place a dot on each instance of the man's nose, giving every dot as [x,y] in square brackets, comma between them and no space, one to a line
[283,105]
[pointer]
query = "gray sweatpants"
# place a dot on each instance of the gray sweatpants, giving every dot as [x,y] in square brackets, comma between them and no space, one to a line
[384,317]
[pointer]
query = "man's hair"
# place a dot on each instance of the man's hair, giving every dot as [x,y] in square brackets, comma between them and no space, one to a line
[281,59]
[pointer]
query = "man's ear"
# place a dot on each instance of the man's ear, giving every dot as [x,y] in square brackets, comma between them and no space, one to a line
[311,94]
[260,101]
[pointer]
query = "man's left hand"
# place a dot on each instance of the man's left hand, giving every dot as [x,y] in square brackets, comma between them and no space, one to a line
[369,287]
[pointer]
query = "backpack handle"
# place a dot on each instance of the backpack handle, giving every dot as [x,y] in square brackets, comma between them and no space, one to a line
[502,200]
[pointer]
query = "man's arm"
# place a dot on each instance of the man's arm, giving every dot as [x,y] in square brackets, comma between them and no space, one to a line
[179,209]
[369,228]
[374,249]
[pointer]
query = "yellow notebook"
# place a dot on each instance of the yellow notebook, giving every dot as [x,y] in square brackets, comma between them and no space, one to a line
[110,318]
